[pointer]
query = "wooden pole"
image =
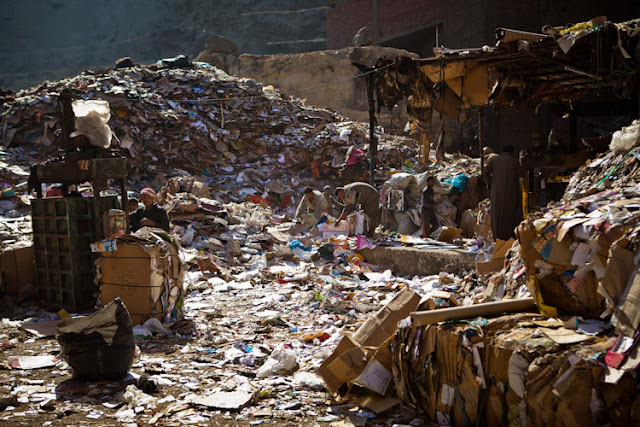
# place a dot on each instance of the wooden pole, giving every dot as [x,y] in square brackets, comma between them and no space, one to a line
[480,138]
[423,318]
[372,126]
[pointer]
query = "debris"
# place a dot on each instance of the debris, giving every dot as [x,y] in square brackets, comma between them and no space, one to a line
[223,400]
[32,362]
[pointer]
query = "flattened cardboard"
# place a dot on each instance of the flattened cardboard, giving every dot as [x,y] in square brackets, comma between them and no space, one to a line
[448,359]
[429,303]
[617,275]
[627,316]
[449,234]
[465,410]
[564,336]
[377,403]
[488,267]
[501,247]
[375,377]
[41,329]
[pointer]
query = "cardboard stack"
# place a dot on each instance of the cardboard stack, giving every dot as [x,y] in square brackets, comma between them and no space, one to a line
[146,274]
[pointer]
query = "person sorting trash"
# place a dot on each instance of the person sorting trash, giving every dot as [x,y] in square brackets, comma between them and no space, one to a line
[311,207]
[429,220]
[360,194]
[150,215]
[334,207]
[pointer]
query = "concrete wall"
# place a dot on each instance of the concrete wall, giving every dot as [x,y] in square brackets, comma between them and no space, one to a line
[324,79]
[52,39]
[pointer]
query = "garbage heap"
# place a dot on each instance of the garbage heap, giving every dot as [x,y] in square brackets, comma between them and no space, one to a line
[235,134]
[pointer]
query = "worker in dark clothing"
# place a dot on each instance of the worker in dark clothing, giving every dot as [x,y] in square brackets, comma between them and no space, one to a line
[506,197]
[150,215]
[360,194]
[429,220]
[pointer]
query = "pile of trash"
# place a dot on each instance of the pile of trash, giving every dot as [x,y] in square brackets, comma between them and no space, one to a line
[615,169]
[236,135]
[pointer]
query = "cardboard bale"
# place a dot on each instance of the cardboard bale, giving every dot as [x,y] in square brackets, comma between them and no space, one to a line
[18,269]
[448,360]
[465,410]
[126,274]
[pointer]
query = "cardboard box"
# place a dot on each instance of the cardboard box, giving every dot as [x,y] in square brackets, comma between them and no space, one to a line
[126,273]
[334,230]
[364,359]
[18,269]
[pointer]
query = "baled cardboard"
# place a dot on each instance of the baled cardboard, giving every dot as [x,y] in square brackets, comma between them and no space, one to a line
[448,359]
[618,272]
[627,316]
[465,410]
[126,273]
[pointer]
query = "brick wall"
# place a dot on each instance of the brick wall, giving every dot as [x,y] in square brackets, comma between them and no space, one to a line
[344,21]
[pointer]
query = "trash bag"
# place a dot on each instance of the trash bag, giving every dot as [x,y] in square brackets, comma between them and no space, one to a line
[281,360]
[91,121]
[626,138]
[98,346]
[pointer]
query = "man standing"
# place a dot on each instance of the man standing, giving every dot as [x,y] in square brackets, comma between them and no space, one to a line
[429,220]
[311,206]
[506,199]
[150,215]
[363,194]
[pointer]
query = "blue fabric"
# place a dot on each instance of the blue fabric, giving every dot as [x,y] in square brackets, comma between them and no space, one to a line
[459,183]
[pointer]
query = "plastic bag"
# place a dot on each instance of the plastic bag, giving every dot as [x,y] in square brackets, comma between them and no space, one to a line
[626,138]
[282,359]
[91,121]
[459,183]
[99,346]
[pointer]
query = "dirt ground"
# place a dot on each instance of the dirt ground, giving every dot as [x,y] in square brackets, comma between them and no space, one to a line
[52,397]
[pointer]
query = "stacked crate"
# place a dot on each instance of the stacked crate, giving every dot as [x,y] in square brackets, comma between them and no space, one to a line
[63,229]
